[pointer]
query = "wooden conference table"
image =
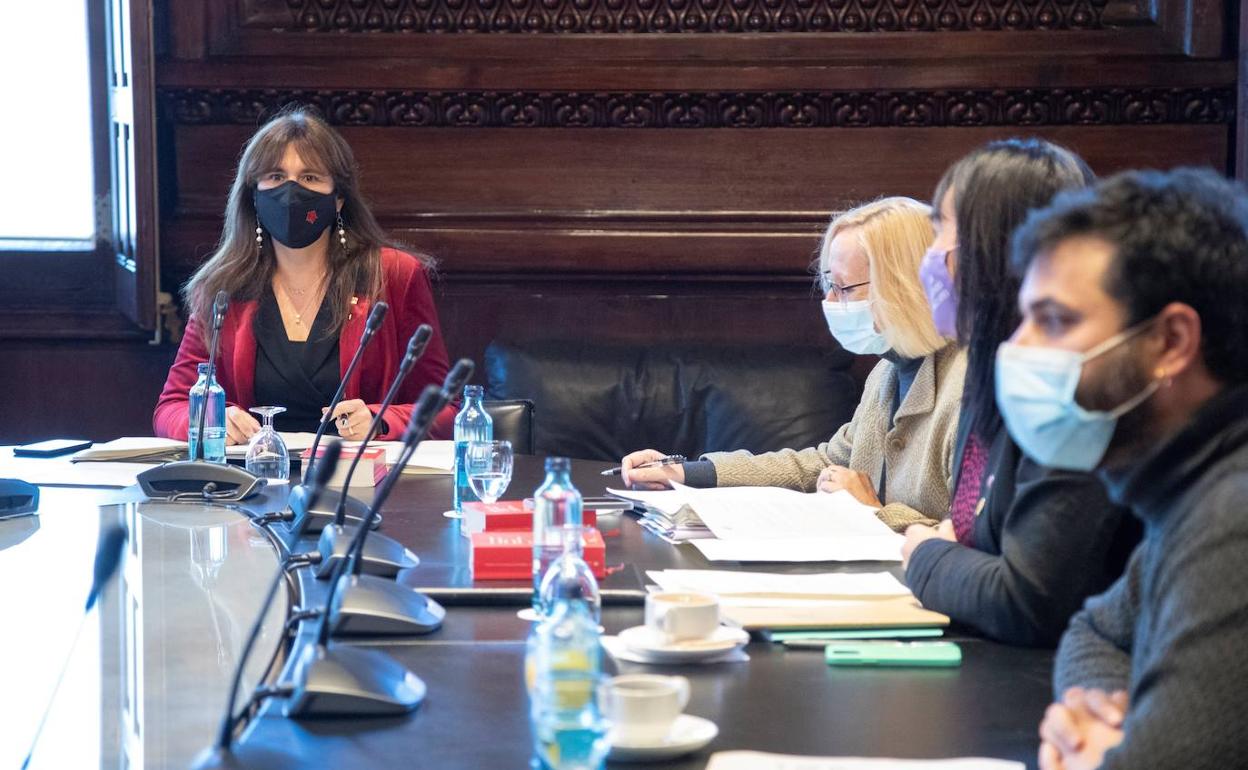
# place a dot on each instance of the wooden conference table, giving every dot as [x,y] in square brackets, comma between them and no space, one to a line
[147,678]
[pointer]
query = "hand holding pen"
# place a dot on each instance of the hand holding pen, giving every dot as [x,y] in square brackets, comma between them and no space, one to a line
[649,469]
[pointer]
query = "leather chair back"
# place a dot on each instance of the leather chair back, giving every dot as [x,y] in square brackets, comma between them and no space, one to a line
[601,401]
[513,421]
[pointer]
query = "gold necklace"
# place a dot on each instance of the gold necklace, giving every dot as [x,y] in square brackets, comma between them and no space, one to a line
[299,310]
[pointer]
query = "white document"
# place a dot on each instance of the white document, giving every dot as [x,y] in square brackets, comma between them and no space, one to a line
[669,501]
[296,444]
[430,457]
[756,513]
[127,448]
[825,585]
[758,760]
[801,549]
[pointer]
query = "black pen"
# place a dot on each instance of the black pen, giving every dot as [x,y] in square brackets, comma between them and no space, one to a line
[664,460]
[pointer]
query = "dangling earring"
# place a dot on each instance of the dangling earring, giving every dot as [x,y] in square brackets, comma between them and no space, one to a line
[259,237]
[342,232]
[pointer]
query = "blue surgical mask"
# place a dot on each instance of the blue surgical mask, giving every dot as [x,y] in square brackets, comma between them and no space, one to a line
[1036,396]
[854,327]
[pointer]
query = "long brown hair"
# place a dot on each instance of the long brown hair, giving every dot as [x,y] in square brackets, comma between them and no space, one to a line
[243,267]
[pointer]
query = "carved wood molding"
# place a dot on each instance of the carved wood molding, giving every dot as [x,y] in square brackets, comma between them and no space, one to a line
[840,109]
[669,16]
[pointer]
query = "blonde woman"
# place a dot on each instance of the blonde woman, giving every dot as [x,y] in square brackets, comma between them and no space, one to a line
[897,452]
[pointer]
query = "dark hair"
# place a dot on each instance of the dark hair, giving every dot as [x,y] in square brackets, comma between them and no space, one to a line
[1180,236]
[244,268]
[994,188]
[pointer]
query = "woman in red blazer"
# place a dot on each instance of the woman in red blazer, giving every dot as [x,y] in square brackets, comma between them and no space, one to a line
[300,291]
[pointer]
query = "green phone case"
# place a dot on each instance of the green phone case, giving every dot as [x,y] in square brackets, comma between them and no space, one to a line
[893,654]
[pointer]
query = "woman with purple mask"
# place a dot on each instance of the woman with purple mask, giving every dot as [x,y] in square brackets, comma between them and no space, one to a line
[1024,545]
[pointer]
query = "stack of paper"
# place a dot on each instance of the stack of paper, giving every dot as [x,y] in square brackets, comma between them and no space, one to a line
[667,514]
[781,525]
[133,449]
[762,587]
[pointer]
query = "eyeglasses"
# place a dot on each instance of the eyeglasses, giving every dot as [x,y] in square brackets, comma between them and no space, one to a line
[839,293]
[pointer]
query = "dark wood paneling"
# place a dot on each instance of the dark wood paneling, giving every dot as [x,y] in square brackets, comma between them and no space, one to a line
[77,389]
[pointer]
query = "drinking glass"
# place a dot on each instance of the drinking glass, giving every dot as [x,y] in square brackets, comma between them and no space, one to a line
[489,468]
[267,456]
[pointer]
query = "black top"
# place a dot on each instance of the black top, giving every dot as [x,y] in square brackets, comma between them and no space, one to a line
[301,376]
[1044,541]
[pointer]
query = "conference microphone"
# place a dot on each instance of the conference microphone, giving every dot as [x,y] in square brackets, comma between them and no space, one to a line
[381,555]
[337,679]
[303,518]
[219,754]
[366,605]
[195,479]
[108,553]
[415,349]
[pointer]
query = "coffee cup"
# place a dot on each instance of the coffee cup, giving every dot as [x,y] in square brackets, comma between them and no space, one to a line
[643,707]
[682,615]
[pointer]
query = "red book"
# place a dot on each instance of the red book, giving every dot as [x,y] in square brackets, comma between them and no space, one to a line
[507,516]
[372,468]
[509,555]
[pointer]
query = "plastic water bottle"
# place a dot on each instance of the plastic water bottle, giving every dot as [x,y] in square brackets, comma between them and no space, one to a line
[569,578]
[471,424]
[563,667]
[214,421]
[556,505]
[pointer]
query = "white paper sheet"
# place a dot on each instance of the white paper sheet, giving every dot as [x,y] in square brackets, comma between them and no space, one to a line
[754,513]
[127,446]
[758,760]
[669,501]
[430,457]
[824,585]
[804,549]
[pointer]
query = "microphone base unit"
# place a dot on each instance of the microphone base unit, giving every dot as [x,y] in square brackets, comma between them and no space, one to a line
[338,680]
[199,481]
[365,605]
[381,555]
[312,520]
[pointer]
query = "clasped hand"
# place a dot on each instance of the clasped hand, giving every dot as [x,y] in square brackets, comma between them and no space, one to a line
[351,419]
[1076,733]
[837,477]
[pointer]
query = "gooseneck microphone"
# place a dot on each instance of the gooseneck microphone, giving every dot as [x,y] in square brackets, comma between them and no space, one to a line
[368,603]
[371,326]
[339,679]
[415,349]
[427,407]
[216,755]
[108,553]
[220,304]
[194,479]
[384,556]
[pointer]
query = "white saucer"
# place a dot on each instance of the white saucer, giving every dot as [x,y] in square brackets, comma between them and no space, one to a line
[688,733]
[646,641]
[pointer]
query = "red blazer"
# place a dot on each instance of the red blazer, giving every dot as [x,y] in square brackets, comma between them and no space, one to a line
[406,289]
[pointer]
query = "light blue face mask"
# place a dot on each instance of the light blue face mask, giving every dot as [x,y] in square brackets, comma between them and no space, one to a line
[854,327]
[1036,396]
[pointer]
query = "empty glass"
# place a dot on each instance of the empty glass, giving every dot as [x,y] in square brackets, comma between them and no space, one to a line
[489,468]
[267,456]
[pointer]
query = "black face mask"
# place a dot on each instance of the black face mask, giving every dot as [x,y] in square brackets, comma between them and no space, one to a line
[295,215]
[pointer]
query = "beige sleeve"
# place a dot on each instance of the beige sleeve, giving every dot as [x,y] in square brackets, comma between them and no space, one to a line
[899,516]
[789,468]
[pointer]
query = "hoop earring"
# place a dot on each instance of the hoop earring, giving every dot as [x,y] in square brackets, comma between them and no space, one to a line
[342,232]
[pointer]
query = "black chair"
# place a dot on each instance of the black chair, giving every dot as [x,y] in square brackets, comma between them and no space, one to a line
[601,400]
[513,421]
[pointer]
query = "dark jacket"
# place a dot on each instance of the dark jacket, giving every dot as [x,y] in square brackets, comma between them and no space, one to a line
[1172,631]
[1044,541]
